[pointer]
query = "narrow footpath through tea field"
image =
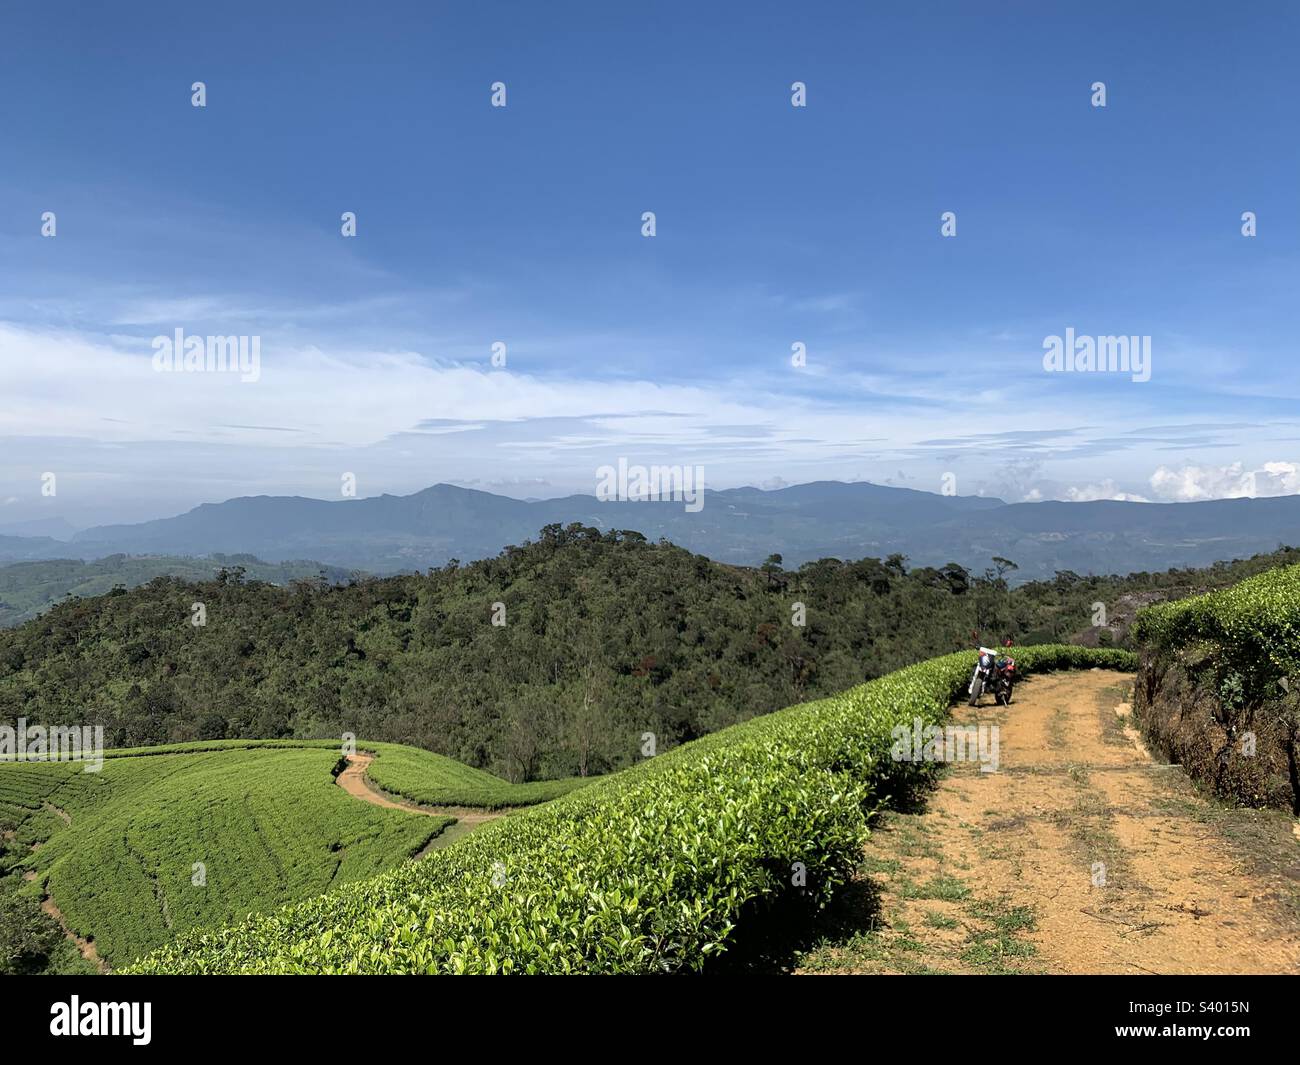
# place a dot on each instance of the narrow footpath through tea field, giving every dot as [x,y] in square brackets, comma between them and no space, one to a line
[356,783]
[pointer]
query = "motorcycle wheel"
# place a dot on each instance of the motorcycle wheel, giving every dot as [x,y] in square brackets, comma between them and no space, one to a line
[976,690]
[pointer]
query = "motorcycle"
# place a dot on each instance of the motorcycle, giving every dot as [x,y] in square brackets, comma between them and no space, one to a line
[994,672]
[1006,673]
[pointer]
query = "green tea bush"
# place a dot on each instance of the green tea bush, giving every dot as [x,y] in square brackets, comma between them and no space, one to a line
[1256,621]
[649,870]
[435,780]
[407,772]
[1219,692]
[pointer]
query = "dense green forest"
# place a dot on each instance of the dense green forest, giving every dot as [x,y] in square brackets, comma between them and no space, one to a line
[553,659]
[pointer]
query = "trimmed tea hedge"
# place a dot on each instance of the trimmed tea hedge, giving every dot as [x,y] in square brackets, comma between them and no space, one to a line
[1258,620]
[436,780]
[1219,687]
[646,871]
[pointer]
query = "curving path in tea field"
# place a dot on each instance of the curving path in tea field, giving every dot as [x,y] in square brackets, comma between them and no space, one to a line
[355,781]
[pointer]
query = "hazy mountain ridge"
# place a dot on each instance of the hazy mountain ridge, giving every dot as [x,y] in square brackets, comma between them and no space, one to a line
[742,525]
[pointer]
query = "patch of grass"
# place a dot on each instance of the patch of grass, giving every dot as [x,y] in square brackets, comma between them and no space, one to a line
[935,919]
[1056,728]
[994,940]
[1112,724]
[990,952]
[1090,825]
[1008,920]
[943,887]
[911,842]
[907,943]
[873,863]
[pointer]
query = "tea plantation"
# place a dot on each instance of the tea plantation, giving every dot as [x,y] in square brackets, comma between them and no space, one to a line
[436,780]
[651,870]
[164,840]
[1257,622]
[1218,689]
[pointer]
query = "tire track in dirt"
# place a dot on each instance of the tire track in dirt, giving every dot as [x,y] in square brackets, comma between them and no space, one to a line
[1080,855]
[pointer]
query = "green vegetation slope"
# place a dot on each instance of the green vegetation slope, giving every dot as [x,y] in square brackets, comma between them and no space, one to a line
[1219,689]
[604,637]
[650,871]
[166,839]
[27,589]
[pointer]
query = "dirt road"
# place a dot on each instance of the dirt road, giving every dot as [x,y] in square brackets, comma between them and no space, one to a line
[1082,854]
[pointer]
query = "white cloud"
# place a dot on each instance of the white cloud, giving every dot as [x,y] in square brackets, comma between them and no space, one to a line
[84,386]
[1106,489]
[65,384]
[91,405]
[1234,481]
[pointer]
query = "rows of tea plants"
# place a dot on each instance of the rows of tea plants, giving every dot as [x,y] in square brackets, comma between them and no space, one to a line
[25,786]
[25,817]
[407,772]
[650,870]
[1256,621]
[436,780]
[1219,686]
[190,839]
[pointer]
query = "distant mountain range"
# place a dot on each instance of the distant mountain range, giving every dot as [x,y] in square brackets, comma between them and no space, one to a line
[742,526]
[53,528]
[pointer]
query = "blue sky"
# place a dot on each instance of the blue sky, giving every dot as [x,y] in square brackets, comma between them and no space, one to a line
[522,224]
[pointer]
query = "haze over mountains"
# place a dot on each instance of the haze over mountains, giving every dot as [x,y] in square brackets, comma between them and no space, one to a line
[743,526]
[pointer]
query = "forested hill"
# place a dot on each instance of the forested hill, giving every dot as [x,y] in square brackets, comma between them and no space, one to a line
[29,588]
[600,638]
